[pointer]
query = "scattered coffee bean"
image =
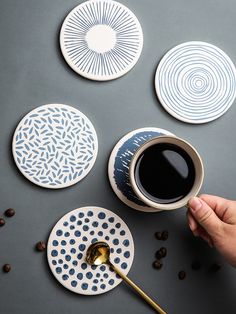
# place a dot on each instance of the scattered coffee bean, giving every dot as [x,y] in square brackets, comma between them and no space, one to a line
[159,254]
[196,265]
[2,222]
[6,268]
[164,235]
[215,267]
[158,235]
[182,275]
[40,246]
[157,264]
[10,212]
[163,251]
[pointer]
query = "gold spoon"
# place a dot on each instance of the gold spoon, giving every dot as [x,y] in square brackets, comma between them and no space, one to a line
[99,253]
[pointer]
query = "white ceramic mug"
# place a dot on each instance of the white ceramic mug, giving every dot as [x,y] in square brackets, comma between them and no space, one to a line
[192,153]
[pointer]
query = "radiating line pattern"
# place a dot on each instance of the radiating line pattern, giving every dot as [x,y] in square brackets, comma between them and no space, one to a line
[68,243]
[55,146]
[121,56]
[196,82]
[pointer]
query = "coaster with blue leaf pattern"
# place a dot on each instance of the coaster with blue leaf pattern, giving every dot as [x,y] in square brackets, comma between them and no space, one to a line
[55,146]
[70,239]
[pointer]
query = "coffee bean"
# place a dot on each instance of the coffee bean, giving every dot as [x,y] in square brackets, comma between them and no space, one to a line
[182,275]
[2,222]
[164,235]
[40,246]
[159,254]
[196,265]
[6,268]
[157,264]
[158,235]
[215,267]
[163,251]
[10,212]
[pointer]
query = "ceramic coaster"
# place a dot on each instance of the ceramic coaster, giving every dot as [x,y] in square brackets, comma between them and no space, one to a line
[196,82]
[118,166]
[55,146]
[101,39]
[70,239]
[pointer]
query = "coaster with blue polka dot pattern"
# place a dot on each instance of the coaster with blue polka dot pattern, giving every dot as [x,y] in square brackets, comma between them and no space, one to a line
[70,239]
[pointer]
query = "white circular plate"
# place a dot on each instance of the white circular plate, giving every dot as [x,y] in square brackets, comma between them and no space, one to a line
[118,165]
[196,82]
[55,146]
[70,239]
[101,39]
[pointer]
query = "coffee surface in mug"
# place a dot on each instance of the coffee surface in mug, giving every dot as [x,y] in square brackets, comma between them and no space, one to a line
[164,173]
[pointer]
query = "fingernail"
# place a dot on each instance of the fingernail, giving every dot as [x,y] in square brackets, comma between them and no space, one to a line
[195,204]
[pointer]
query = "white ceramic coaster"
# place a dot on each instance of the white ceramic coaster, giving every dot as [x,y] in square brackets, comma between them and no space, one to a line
[118,166]
[55,146]
[196,82]
[70,239]
[101,39]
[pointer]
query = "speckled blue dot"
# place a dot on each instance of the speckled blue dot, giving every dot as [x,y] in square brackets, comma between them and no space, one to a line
[117,260]
[73,251]
[95,281]
[94,288]
[100,233]
[112,250]
[111,219]
[118,250]
[75,263]
[54,262]
[122,233]
[85,239]
[94,240]
[103,286]
[63,251]
[80,255]
[80,276]
[55,243]
[63,242]
[105,225]
[86,220]
[72,227]
[65,224]
[77,233]
[101,215]
[71,271]
[95,224]
[92,232]
[115,241]
[79,222]
[112,231]
[72,218]
[65,266]
[59,233]
[74,283]
[68,258]
[65,277]
[58,270]
[111,282]
[98,275]
[94,267]
[102,268]
[123,265]
[127,254]
[105,275]
[126,242]
[67,234]
[90,213]
[81,215]
[72,241]
[82,247]
[107,238]
[118,225]
[84,286]
[89,275]
[60,261]
[83,265]
[54,253]
[85,227]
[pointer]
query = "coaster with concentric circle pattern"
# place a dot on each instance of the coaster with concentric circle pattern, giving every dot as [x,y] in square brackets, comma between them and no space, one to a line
[70,239]
[118,165]
[55,146]
[101,39]
[196,82]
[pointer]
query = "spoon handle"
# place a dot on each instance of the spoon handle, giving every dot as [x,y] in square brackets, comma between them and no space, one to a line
[138,290]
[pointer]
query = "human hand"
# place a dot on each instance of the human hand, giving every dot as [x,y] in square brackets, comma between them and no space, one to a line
[213,219]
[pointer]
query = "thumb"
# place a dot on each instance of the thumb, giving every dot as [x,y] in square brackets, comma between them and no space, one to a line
[206,217]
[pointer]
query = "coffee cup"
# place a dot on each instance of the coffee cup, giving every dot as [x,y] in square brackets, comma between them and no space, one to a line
[165,172]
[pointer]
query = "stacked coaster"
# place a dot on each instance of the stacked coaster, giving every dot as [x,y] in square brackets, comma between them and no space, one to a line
[70,239]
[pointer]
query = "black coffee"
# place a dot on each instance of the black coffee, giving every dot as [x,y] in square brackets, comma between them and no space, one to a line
[164,173]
